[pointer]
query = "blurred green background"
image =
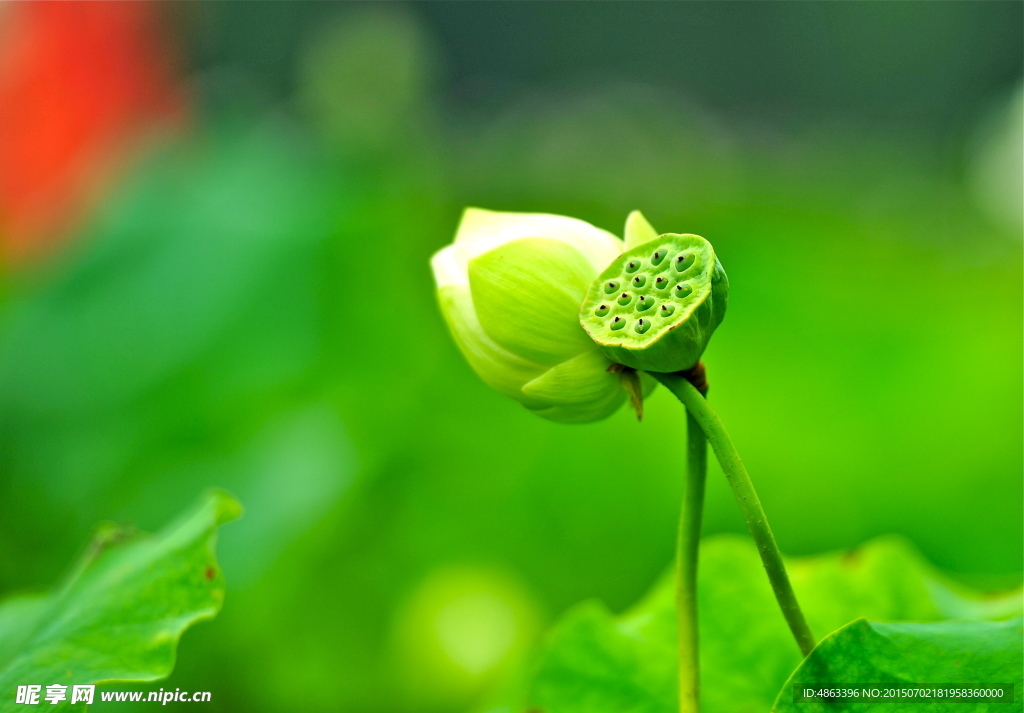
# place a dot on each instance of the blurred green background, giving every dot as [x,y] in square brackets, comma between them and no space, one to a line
[408,532]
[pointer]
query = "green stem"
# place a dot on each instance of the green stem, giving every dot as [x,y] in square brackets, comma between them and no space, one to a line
[686,565]
[753,513]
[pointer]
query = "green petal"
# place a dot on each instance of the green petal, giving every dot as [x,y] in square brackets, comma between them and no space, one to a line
[638,230]
[580,390]
[500,369]
[582,380]
[527,295]
[584,413]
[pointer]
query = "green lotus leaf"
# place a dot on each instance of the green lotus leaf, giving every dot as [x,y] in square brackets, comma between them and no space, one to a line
[120,614]
[596,661]
[872,661]
[657,305]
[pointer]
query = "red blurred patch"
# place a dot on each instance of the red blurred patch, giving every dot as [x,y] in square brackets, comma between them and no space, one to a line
[79,84]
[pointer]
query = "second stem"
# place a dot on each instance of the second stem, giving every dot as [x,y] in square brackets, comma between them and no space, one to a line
[749,503]
[686,565]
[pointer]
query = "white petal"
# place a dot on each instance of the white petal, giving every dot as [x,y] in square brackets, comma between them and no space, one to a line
[481,230]
[450,268]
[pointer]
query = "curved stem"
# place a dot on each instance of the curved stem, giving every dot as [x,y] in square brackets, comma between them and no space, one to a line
[686,565]
[753,513]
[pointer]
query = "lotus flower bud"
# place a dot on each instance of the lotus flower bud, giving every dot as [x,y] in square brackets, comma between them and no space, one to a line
[510,288]
[656,306]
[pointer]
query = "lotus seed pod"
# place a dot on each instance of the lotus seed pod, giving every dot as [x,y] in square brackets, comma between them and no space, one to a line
[677,294]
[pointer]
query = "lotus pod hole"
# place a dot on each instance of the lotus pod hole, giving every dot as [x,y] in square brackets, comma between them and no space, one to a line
[684,261]
[686,284]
